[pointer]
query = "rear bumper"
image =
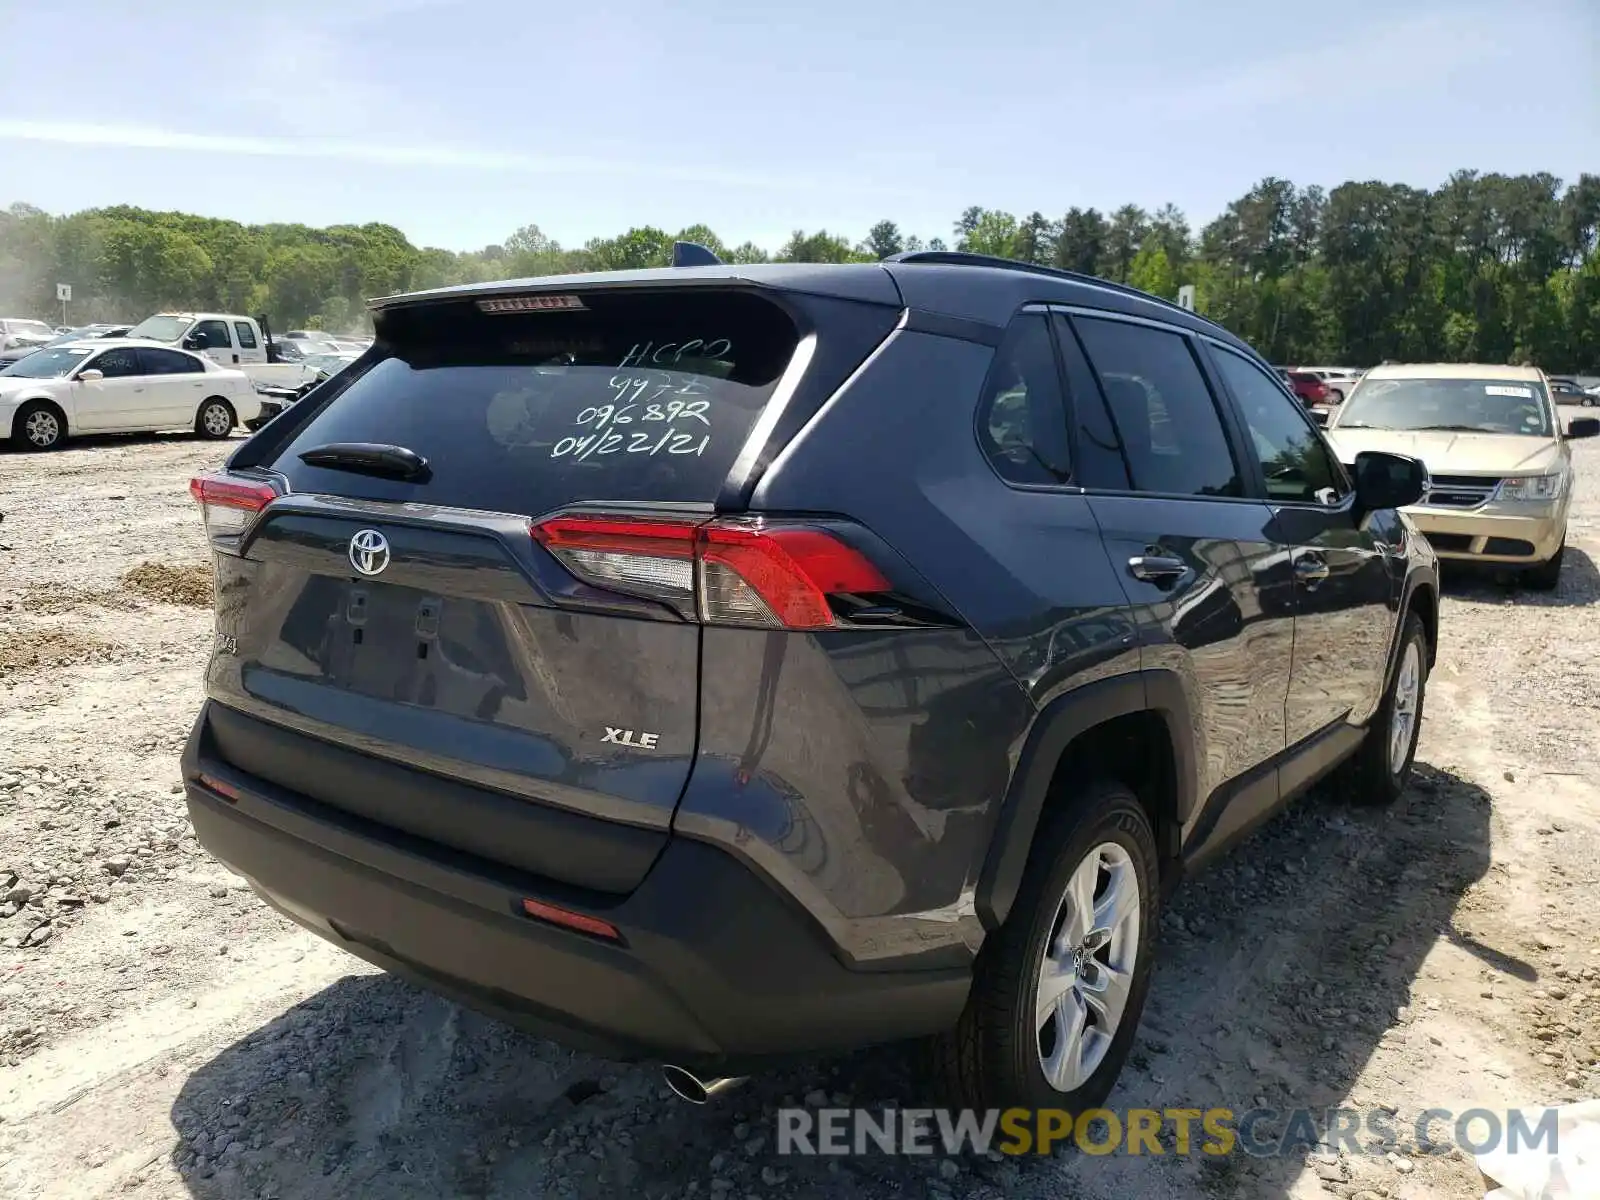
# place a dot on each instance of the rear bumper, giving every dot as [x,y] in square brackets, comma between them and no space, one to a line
[716,970]
[1511,539]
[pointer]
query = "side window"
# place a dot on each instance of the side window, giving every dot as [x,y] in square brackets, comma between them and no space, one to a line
[247,336]
[168,362]
[216,335]
[117,364]
[1293,458]
[1022,420]
[1169,425]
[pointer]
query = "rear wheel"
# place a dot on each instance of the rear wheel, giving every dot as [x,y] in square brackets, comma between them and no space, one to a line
[1059,988]
[1380,770]
[1547,575]
[38,426]
[215,419]
[1335,396]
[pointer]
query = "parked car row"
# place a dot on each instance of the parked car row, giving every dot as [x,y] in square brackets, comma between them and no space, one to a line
[119,385]
[1567,391]
[1500,469]
[22,333]
[7,357]
[1339,381]
[1307,388]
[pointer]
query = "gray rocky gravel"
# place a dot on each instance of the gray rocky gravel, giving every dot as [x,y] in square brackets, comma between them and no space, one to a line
[162,1033]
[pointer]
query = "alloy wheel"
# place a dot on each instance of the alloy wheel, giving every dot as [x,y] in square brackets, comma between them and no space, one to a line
[1403,714]
[42,428]
[1086,970]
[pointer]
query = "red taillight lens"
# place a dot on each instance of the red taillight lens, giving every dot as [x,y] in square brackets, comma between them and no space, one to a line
[722,571]
[778,577]
[228,504]
[594,926]
[224,790]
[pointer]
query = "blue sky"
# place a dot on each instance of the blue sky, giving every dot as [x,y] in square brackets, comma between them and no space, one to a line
[460,120]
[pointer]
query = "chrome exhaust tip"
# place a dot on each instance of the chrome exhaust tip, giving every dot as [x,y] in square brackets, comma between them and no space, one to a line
[686,1085]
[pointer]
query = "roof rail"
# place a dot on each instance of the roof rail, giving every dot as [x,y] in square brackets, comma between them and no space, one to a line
[693,254]
[961,258]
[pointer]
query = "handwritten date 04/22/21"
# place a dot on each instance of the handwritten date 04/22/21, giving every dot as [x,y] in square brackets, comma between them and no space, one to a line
[610,441]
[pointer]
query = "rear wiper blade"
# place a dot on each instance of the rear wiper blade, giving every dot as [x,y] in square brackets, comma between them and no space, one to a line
[369,458]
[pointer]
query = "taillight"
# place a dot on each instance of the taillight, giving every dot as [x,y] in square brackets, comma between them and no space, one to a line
[725,571]
[228,503]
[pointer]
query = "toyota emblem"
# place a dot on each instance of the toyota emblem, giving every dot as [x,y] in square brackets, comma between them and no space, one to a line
[369,552]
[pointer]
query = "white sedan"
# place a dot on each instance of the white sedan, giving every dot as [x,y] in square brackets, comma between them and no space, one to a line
[115,385]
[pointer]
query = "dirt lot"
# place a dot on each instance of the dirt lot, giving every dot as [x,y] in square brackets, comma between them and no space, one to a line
[163,1034]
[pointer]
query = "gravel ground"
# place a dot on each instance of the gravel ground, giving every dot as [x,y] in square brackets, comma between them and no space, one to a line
[162,1033]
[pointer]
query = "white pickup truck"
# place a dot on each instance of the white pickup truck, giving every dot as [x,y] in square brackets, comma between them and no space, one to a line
[229,340]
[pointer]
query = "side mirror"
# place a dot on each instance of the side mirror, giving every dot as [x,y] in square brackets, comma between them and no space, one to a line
[1319,416]
[1388,480]
[1583,427]
[92,375]
[195,341]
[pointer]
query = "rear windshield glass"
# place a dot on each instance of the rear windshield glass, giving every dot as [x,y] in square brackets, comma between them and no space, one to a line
[632,397]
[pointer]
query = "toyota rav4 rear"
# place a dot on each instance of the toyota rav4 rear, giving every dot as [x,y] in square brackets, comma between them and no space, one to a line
[488,605]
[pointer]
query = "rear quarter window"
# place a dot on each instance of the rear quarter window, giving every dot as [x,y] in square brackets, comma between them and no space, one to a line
[636,397]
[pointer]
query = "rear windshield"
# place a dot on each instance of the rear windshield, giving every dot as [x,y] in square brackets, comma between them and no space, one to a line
[633,397]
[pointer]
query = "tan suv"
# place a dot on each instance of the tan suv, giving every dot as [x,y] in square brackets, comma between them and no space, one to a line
[1499,466]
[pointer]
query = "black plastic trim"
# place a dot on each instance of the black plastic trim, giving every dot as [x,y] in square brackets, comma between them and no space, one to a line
[1053,731]
[920,320]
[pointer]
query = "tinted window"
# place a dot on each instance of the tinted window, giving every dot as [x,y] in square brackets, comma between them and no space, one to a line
[635,397]
[1022,422]
[1165,416]
[168,362]
[247,336]
[118,363]
[1293,458]
[216,335]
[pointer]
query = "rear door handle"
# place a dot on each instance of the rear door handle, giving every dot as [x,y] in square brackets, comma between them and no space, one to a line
[1156,568]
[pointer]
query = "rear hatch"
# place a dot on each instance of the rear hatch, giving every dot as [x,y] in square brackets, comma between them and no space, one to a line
[416,613]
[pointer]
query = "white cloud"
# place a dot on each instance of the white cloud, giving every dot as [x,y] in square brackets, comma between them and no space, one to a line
[1383,58]
[382,152]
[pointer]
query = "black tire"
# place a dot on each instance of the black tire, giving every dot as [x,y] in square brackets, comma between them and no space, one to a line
[1368,777]
[208,421]
[1547,575]
[39,426]
[992,1059]
[1587,402]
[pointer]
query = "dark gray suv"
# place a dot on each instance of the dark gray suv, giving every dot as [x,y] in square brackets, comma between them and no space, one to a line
[715,664]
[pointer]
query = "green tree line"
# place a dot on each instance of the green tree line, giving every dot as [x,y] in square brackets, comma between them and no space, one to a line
[1486,267]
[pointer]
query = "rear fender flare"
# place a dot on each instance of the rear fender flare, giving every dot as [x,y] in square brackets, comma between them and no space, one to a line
[1053,730]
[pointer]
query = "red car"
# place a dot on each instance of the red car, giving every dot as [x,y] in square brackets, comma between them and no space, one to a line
[1307,387]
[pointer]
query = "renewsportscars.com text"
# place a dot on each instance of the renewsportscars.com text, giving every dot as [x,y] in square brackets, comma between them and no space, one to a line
[1260,1132]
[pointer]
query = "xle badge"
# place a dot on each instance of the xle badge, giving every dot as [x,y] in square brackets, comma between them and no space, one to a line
[627,737]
